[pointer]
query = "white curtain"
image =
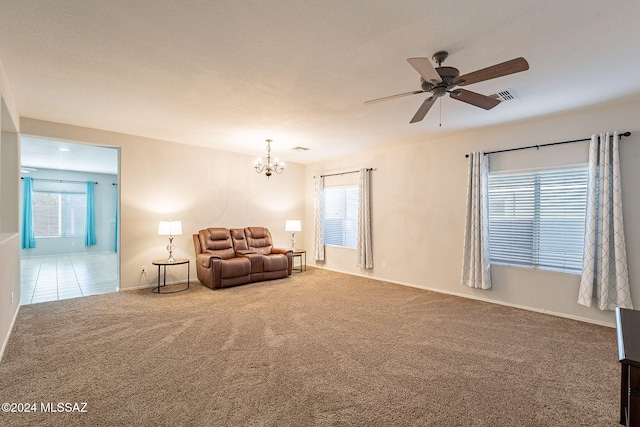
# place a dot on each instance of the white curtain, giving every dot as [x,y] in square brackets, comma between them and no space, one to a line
[605,277]
[476,261]
[364,258]
[318,214]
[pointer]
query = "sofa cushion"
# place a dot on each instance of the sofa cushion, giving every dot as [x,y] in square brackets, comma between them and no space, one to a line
[275,262]
[239,239]
[259,239]
[235,267]
[217,241]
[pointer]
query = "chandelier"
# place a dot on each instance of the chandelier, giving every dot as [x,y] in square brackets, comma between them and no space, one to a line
[268,168]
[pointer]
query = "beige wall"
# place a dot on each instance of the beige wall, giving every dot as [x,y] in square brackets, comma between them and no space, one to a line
[201,187]
[418,200]
[9,237]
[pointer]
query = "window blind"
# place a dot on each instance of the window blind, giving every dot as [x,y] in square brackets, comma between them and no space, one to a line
[341,216]
[537,218]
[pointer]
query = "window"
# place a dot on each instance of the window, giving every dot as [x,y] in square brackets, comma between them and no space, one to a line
[537,218]
[341,216]
[59,214]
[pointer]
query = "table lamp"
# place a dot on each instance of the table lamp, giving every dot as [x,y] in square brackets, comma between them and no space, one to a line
[293,225]
[170,228]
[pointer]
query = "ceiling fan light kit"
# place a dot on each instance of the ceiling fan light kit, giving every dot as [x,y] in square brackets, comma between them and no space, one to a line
[442,80]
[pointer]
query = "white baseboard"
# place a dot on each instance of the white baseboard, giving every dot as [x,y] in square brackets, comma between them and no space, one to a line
[6,339]
[153,285]
[473,297]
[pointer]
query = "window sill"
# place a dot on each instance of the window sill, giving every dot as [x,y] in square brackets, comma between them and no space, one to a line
[339,247]
[526,267]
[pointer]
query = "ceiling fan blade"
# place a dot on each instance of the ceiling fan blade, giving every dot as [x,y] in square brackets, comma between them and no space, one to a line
[474,98]
[504,69]
[425,69]
[424,109]
[400,95]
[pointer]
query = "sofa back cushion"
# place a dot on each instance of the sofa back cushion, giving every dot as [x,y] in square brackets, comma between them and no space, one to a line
[239,239]
[217,241]
[259,239]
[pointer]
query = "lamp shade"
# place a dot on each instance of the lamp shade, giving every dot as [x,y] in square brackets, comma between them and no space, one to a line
[170,228]
[292,225]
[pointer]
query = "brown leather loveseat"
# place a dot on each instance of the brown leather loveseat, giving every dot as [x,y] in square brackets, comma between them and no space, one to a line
[229,257]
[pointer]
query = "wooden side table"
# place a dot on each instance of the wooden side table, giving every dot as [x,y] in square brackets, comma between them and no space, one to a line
[164,263]
[302,255]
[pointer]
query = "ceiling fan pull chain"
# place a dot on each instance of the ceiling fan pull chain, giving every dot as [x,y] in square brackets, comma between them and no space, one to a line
[440,102]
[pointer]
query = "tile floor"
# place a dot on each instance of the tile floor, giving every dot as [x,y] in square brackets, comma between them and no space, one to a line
[51,278]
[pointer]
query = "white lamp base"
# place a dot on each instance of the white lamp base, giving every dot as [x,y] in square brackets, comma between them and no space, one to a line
[170,248]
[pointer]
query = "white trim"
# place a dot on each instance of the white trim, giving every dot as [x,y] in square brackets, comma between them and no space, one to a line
[6,339]
[473,297]
[70,253]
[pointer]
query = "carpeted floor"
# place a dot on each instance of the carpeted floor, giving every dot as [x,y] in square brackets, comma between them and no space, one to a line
[319,348]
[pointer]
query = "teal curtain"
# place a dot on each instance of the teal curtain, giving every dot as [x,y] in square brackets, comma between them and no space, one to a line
[115,245]
[90,228]
[28,237]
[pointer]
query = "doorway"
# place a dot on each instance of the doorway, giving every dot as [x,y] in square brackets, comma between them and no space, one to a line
[71,223]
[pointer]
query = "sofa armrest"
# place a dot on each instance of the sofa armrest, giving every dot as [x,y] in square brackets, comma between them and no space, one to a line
[281,251]
[209,268]
[206,260]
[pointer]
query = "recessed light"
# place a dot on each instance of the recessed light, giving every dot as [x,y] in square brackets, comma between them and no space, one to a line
[63,149]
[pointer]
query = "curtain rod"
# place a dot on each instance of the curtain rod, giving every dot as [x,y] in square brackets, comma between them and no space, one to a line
[344,173]
[68,181]
[546,145]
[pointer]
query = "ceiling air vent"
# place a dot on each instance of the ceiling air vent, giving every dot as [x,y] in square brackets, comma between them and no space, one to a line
[504,95]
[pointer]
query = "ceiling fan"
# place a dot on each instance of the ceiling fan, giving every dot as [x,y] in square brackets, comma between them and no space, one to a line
[442,80]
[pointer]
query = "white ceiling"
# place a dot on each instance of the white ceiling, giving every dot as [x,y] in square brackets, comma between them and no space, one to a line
[229,74]
[39,153]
